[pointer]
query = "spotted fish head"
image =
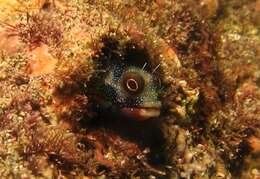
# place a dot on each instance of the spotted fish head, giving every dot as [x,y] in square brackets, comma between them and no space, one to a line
[133,91]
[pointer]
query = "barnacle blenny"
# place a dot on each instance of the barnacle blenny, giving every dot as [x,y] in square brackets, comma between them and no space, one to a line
[128,86]
[72,72]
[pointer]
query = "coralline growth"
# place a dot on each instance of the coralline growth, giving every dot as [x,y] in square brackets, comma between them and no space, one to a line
[187,72]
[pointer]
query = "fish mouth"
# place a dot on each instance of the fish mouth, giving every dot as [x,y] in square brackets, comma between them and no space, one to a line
[142,113]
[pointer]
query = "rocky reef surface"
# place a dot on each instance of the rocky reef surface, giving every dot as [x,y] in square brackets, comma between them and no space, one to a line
[59,118]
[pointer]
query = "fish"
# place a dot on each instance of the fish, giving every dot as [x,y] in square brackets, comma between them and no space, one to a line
[133,91]
[128,85]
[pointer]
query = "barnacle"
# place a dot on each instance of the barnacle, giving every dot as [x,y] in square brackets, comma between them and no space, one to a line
[129,89]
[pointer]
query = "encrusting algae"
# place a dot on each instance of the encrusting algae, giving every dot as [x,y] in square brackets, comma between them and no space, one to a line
[129,89]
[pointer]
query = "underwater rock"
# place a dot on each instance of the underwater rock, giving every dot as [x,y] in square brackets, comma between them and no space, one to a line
[129,89]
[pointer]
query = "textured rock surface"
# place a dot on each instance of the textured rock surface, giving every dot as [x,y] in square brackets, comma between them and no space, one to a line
[206,56]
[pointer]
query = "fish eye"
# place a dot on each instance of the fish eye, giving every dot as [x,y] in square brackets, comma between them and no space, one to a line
[133,82]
